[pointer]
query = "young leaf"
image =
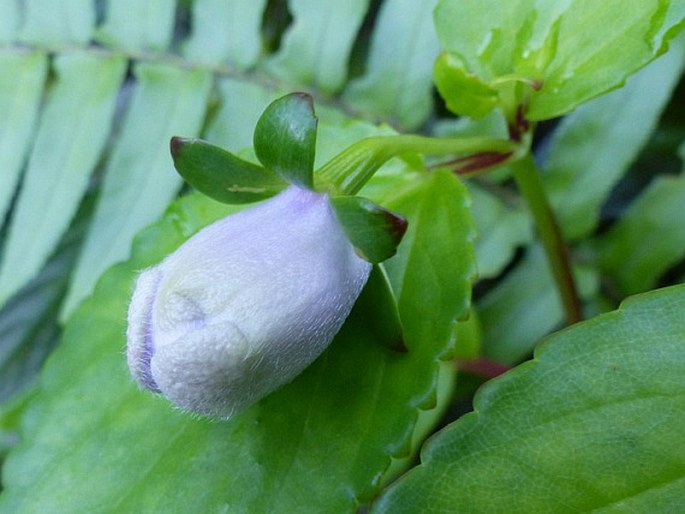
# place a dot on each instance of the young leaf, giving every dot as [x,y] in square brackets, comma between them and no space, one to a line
[574,49]
[21,84]
[464,93]
[220,174]
[374,231]
[593,423]
[285,138]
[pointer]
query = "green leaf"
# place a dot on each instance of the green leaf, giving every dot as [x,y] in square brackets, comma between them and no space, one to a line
[285,138]
[592,424]
[398,82]
[375,232]
[377,310]
[10,417]
[467,334]
[575,49]
[439,239]
[525,306]
[221,175]
[73,130]
[28,322]
[316,48]
[241,105]
[21,84]
[140,180]
[226,31]
[594,146]
[464,93]
[502,227]
[648,239]
[427,421]
[47,23]
[135,26]
[345,416]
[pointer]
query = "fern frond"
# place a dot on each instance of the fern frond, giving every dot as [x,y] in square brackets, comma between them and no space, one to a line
[197,70]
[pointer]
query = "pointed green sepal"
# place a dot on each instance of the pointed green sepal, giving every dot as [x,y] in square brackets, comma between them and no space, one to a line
[376,309]
[464,93]
[375,232]
[221,175]
[285,138]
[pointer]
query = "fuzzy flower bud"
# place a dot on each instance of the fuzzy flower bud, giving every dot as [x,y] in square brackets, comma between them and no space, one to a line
[245,305]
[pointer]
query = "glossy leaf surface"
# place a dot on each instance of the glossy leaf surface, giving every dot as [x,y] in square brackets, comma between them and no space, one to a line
[221,175]
[474,98]
[285,138]
[374,231]
[552,56]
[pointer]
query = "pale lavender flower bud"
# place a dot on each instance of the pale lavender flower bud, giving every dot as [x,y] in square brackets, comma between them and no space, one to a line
[245,305]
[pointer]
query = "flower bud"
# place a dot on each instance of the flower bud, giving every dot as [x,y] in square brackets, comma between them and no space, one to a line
[245,305]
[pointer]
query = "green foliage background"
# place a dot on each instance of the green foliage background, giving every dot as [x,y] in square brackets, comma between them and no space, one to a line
[91,92]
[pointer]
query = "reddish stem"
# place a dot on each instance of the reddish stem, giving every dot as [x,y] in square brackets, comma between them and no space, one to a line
[482,367]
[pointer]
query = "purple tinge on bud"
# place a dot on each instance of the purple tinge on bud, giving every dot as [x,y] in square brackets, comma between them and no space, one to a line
[245,305]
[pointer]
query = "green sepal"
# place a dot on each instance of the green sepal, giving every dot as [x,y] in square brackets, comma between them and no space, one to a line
[464,92]
[221,175]
[375,232]
[377,309]
[285,138]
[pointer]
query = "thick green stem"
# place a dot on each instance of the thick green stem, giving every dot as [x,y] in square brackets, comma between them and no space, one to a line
[528,181]
[347,172]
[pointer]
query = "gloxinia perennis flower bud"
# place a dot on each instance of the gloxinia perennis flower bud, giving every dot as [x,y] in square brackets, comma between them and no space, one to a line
[245,305]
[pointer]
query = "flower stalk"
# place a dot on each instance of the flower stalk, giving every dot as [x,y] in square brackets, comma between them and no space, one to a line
[353,167]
